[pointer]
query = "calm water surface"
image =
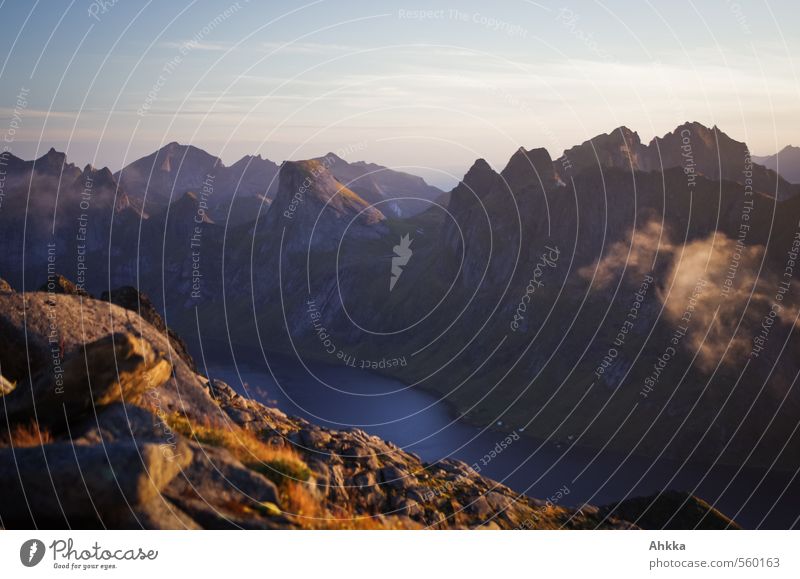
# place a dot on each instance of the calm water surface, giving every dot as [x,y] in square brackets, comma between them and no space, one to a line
[342,397]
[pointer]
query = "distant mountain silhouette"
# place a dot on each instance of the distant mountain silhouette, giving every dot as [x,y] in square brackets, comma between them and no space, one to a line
[789,159]
[692,147]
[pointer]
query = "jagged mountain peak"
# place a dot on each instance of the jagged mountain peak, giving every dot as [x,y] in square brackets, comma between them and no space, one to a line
[478,183]
[51,162]
[706,136]
[529,168]
[99,178]
[621,148]
[691,146]
[480,164]
[621,135]
[480,178]
[177,150]
[333,157]
[318,211]
[625,132]
[252,160]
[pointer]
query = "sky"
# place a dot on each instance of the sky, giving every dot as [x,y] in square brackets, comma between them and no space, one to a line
[422,86]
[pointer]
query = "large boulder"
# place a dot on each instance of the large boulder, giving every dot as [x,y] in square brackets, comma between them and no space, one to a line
[120,422]
[219,492]
[160,514]
[40,332]
[65,484]
[114,368]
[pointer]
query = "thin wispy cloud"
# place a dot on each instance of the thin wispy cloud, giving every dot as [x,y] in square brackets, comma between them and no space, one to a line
[200,45]
[290,47]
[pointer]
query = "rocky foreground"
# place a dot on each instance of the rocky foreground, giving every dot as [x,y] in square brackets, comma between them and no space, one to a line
[108,424]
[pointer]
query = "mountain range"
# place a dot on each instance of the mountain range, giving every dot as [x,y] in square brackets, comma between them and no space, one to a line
[237,192]
[617,294]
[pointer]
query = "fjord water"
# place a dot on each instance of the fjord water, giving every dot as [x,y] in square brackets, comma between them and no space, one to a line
[342,397]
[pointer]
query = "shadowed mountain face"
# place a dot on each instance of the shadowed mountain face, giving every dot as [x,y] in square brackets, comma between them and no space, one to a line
[639,295]
[230,193]
[785,162]
[168,173]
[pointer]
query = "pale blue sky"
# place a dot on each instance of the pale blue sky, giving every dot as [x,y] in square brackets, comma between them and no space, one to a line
[427,91]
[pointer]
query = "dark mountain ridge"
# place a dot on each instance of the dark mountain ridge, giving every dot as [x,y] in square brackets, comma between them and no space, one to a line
[585,232]
[693,147]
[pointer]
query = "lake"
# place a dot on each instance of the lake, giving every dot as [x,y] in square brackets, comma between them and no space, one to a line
[342,397]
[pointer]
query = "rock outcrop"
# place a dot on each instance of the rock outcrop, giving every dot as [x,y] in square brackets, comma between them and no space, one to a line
[58,284]
[115,368]
[45,335]
[86,485]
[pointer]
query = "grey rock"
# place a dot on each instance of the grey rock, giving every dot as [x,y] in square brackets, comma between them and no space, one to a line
[395,478]
[62,483]
[480,507]
[159,514]
[364,479]
[215,476]
[315,438]
[120,422]
[497,501]
[111,369]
